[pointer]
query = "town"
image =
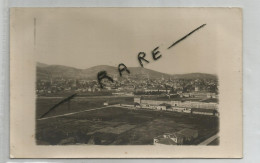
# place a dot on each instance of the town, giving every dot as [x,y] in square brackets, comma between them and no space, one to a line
[129,86]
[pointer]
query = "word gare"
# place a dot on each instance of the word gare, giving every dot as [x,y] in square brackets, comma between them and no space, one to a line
[141,58]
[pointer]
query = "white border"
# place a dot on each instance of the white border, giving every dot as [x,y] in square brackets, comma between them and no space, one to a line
[250,67]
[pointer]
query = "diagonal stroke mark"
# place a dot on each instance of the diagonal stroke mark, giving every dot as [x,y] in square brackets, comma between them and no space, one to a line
[186,36]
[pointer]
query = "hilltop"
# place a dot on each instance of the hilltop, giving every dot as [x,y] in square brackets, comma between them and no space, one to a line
[44,71]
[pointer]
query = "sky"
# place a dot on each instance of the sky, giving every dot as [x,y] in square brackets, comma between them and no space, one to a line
[87,37]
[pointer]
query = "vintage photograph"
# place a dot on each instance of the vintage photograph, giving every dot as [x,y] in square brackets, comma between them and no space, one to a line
[130,82]
[146,107]
[95,85]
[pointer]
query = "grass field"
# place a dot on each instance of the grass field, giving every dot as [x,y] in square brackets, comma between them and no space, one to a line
[114,125]
[76,104]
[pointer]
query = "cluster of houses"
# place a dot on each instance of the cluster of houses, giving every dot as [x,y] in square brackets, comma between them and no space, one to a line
[184,136]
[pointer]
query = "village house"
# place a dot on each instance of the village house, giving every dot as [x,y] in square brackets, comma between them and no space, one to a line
[164,106]
[178,109]
[184,136]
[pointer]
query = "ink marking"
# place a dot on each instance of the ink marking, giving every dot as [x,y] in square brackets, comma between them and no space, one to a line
[120,70]
[155,52]
[103,75]
[141,56]
[175,43]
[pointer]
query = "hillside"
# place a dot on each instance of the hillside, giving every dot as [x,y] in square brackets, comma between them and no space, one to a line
[194,76]
[56,71]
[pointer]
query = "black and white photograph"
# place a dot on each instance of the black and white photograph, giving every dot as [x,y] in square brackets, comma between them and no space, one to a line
[116,77]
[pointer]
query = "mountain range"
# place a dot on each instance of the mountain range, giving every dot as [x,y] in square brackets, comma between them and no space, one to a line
[45,71]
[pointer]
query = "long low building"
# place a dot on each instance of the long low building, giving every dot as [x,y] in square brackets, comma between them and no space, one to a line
[186,104]
[168,107]
[204,111]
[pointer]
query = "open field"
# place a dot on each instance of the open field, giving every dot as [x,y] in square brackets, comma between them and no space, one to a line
[43,104]
[116,125]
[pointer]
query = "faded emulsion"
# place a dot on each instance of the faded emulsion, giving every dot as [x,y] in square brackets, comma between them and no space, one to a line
[141,57]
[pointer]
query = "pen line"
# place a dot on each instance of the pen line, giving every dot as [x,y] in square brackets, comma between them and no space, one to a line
[186,36]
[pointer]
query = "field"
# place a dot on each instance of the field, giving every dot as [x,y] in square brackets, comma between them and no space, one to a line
[43,104]
[113,125]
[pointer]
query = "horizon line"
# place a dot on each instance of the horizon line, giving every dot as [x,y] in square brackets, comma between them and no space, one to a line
[127,67]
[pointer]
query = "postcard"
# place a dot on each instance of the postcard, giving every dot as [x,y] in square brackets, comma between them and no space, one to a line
[126,83]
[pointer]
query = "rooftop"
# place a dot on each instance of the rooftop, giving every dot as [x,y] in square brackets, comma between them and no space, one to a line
[166,141]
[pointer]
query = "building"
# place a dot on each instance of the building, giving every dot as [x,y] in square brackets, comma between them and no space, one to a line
[198,94]
[204,111]
[165,139]
[186,104]
[211,95]
[187,110]
[184,136]
[137,105]
[147,106]
[118,93]
[164,106]
[178,109]
[181,109]
[185,95]
[137,100]
[197,88]
[194,107]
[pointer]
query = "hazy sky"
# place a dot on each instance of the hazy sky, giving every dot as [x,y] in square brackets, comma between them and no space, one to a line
[83,38]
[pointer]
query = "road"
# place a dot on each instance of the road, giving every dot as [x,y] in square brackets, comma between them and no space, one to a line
[68,114]
[209,140]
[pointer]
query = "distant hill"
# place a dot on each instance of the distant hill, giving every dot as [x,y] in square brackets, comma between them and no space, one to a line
[45,71]
[56,71]
[194,76]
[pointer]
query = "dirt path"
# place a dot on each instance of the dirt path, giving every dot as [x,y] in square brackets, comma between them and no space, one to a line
[209,140]
[68,114]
